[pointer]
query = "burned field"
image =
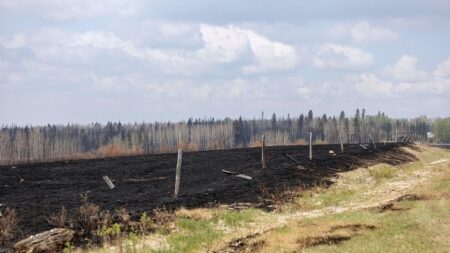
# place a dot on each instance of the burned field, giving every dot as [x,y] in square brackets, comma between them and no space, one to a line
[146,182]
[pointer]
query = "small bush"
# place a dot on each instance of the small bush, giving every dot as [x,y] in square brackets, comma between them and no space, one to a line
[59,219]
[164,220]
[88,218]
[145,224]
[123,216]
[381,172]
[110,233]
[8,227]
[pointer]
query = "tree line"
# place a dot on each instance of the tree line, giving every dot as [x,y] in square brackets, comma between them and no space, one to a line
[20,144]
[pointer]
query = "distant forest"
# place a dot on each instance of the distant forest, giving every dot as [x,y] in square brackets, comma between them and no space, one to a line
[19,144]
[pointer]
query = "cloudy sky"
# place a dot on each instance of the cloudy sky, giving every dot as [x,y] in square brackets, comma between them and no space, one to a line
[92,61]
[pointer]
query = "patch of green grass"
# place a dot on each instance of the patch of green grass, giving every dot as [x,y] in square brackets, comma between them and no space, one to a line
[425,227]
[333,197]
[282,230]
[237,218]
[194,235]
[381,172]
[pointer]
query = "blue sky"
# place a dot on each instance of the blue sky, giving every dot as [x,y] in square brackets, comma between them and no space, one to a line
[97,61]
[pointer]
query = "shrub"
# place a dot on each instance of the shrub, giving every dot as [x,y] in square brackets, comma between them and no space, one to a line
[381,172]
[145,223]
[59,219]
[8,227]
[88,218]
[110,233]
[123,216]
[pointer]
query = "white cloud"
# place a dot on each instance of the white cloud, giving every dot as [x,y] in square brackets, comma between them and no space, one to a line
[223,44]
[331,55]
[443,69]
[222,48]
[18,40]
[405,70]
[227,44]
[64,10]
[370,86]
[270,55]
[304,92]
[362,32]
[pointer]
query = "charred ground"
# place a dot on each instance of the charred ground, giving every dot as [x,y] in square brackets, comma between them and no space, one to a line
[146,182]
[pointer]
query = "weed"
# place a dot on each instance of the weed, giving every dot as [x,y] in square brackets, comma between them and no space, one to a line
[8,226]
[164,220]
[110,233]
[59,219]
[68,247]
[381,172]
[123,216]
[145,224]
[88,218]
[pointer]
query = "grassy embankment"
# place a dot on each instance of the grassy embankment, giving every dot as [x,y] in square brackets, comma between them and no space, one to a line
[378,209]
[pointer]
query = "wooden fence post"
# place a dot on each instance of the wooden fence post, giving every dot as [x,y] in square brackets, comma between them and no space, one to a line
[178,172]
[373,142]
[109,182]
[342,144]
[310,145]
[263,160]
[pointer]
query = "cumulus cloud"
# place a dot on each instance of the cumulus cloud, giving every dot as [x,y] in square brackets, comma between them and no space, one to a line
[225,44]
[362,32]
[222,48]
[405,69]
[331,55]
[18,40]
[443,69]
[370,86]
[64,10]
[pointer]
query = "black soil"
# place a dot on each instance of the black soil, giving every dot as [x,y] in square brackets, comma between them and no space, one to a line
[146,182]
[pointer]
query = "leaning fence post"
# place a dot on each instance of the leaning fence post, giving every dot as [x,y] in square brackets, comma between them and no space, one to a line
[263,160]
[109,182]
[310,145]
[178,172]
[373,142]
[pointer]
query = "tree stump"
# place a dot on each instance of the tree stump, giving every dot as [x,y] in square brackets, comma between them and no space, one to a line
[48,241]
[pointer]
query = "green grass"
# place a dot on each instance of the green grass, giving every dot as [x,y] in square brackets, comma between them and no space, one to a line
[422,226]
[324,198]
[237,218]
[194,235]
[425,227]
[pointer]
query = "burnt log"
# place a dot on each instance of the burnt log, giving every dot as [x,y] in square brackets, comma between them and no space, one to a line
[49,241]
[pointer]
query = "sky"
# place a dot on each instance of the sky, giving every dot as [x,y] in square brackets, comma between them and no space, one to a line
[65,61]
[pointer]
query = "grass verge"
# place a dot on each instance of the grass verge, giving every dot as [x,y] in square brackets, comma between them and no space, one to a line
[333,219]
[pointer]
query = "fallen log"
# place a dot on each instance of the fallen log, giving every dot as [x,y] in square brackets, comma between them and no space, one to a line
[48,241]
[362,146]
